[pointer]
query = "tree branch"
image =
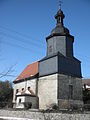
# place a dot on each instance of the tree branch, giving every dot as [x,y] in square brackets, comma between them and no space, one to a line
[7,73]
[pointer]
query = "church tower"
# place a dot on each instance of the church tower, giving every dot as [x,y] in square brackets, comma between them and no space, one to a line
[60,76]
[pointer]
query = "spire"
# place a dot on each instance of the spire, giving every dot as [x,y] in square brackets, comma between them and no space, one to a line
[59,16]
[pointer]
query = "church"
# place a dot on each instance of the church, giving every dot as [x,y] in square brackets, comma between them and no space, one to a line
[55,80]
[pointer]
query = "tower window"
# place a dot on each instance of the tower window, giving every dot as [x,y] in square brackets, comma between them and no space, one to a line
[50,48]
[70,91]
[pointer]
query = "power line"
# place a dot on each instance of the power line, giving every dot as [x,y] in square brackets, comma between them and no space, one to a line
[87,58]
[21,40]
[19,33]
[26,41]
[83,55]
[34,46]
[18,46]
[30,42]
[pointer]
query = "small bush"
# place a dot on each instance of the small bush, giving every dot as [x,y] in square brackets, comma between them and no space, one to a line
[55,107]
[28,105]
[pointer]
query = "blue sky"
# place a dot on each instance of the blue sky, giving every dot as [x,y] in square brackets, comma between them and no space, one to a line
[25,24]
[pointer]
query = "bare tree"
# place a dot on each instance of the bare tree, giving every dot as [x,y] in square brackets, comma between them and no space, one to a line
[7,72]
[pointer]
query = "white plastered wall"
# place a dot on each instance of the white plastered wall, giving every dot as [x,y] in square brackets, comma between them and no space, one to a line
[47,91]
[25,84]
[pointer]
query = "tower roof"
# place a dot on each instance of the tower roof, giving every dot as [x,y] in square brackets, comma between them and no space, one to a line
[59,25]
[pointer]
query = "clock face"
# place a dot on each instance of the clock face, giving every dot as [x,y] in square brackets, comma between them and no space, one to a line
[50,48]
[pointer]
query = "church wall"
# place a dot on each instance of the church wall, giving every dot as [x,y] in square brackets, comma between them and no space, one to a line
[69,46]
[47,91]
[63,86]
[27,99]
[61,44]
[56,44]
[48,66]
[77,87]
[25,84]
[50,46]
[67,97]
[69,66]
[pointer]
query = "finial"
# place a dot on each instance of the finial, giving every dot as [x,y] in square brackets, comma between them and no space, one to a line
[60,2]
[59,16]
[59,5]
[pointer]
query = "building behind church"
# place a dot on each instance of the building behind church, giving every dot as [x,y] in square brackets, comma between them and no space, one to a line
[54,80]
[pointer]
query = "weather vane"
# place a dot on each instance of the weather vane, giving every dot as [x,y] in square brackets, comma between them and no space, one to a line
[60,2]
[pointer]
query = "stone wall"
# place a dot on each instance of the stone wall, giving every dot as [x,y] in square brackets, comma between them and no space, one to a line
[64,98]
[26,101]
[47,91]
[64,81]
[43,116]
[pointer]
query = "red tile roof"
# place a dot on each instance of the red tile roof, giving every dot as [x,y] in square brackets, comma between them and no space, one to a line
[29,71]
[86,81]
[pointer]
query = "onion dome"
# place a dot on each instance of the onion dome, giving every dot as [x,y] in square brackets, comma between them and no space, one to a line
[60,26]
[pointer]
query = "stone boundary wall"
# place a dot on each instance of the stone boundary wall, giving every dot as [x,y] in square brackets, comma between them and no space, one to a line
[30,115]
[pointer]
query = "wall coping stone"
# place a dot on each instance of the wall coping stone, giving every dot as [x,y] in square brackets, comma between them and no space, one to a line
[38,115]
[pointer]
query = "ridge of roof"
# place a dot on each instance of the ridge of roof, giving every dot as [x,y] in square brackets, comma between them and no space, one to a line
[32,63]
[86,81]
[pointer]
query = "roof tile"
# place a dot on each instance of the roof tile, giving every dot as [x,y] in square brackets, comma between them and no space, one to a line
[29,71]
[86,81]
